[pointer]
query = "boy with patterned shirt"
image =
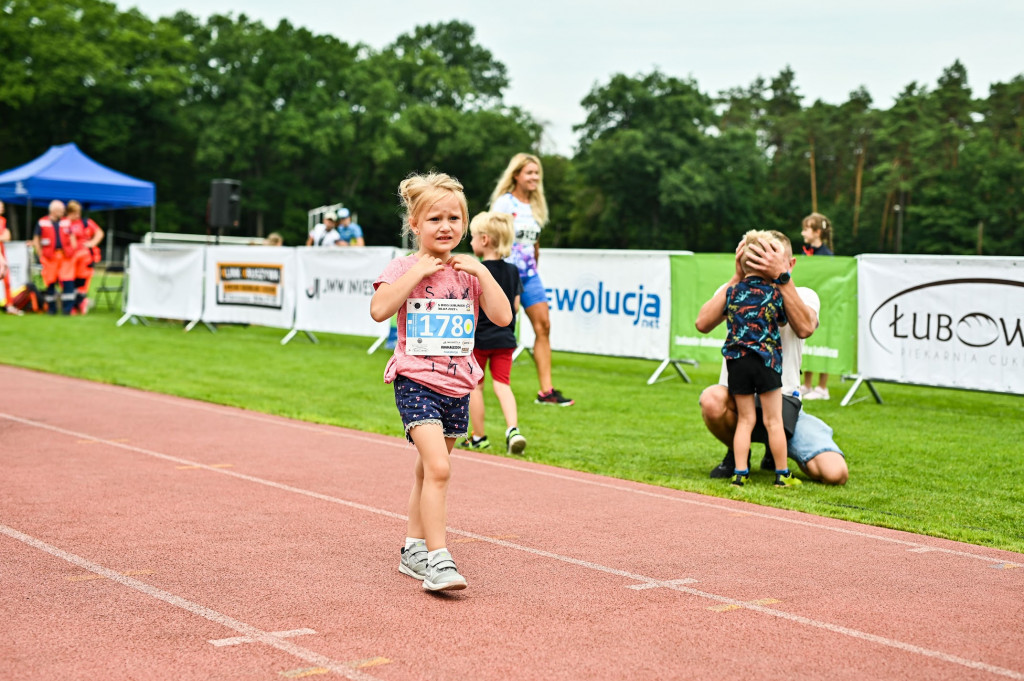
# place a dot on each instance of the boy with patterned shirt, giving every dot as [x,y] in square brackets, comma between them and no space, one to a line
[754,312]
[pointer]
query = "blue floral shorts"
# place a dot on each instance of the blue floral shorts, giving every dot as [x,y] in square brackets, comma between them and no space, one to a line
[418,405]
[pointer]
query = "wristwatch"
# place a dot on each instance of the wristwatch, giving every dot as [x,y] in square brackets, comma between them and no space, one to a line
[783,278]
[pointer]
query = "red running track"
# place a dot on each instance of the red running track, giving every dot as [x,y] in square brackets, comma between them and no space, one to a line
[152,537]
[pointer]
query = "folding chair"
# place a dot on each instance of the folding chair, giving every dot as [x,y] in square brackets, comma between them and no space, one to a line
[113,289]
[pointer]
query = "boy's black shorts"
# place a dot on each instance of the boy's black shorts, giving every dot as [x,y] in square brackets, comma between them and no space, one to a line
[747,370]
[748,375]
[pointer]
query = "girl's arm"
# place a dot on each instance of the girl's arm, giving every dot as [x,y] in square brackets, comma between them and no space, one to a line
[388,298]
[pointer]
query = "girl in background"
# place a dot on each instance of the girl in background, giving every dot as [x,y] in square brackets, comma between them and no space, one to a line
[816,231]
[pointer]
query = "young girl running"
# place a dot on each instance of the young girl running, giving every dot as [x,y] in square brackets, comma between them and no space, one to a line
[436,295]
[816,230]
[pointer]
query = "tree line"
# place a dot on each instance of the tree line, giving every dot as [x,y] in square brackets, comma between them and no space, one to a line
[304,120]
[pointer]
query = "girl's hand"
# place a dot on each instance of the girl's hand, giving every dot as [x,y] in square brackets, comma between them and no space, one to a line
[463,262]
[427,265]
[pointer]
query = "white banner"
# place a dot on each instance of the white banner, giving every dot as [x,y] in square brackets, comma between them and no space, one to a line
[165,281]
[19,262]
[606,302]
[250,285]
[335,286]
[949,321]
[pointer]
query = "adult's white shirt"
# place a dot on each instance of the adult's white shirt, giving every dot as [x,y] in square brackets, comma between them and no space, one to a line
[322,236]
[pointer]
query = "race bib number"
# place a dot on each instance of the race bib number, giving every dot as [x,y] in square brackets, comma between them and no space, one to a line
[439,327]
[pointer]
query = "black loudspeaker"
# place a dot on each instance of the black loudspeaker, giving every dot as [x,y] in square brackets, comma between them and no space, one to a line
[225,203]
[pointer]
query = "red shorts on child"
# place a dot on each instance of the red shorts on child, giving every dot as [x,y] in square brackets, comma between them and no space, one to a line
[501,363]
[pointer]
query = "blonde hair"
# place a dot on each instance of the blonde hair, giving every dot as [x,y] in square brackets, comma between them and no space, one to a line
[497,227]
[419,192]
[74,207]
[787,245]
[507,182]
[274,239]
[754,237]
[821,224]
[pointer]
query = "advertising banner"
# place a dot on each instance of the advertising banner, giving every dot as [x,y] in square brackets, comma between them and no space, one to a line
[615,303]
[335,286]
[250,285]
[832,348]
[945,321]
[165,281]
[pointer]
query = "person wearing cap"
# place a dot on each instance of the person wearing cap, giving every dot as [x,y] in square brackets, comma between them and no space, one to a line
[349,233]
[324,233]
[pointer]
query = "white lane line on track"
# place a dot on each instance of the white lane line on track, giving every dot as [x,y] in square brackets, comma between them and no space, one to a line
[247,630]
[643,579]
[405,447]
[239,640]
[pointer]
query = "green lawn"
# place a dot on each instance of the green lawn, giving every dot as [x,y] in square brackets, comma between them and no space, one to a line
[939,462]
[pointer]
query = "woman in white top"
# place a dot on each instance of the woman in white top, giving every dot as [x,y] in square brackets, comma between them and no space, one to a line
[520,193]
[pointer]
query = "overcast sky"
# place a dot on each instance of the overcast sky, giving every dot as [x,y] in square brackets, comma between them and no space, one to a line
[557,51]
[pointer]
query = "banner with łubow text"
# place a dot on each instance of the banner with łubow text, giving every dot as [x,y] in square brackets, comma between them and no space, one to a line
[616,303]
[250,285]
[335,286]
[833,346]
[165,281]
[945,321]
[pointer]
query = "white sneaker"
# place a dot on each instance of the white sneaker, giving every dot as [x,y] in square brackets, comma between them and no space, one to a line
[442,575]
[803,390]
[817,394]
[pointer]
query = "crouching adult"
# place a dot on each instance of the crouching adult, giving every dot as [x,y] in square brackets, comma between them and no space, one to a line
[809,439]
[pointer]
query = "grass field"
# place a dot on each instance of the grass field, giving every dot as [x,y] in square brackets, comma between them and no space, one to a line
[938,462]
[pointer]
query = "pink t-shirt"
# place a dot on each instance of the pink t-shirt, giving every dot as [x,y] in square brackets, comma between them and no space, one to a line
[454,376]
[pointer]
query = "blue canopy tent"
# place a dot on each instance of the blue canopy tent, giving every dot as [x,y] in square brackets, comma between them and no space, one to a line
[64,173]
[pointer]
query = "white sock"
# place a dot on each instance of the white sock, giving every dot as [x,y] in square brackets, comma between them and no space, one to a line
[409,541]
[431,555]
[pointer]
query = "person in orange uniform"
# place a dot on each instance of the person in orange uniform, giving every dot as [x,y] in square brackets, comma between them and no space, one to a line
[55,245]
[88,236]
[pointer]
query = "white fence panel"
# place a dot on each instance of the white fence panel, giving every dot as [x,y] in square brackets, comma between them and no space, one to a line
[165,281]
[335,286]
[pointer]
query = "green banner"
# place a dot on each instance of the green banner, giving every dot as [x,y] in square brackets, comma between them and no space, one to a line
[832,348]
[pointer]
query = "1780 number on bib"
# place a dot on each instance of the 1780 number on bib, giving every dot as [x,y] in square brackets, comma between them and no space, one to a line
[439,326]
